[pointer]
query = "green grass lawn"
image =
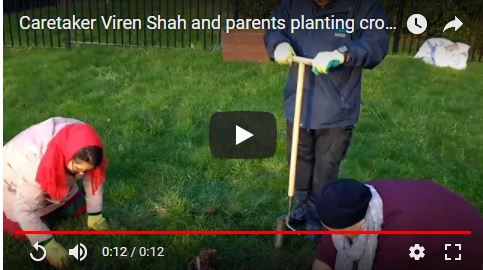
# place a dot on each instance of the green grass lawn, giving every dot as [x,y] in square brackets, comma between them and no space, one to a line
[152,109]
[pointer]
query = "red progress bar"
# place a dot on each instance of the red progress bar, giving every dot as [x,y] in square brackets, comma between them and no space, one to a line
[187,232]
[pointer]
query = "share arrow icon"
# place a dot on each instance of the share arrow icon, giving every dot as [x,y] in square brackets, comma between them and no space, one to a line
[456,24]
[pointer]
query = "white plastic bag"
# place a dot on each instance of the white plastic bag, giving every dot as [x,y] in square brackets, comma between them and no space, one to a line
[442,52]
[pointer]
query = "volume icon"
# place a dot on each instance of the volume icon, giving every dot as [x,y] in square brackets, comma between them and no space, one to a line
[79,252]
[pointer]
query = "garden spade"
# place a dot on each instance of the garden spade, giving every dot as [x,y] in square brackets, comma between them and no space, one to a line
[283,222]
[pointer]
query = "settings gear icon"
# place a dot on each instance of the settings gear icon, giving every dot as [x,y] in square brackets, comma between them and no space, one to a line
[416,252]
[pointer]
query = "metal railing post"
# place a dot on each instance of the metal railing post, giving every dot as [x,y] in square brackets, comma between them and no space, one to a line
[67,39]
[399,26]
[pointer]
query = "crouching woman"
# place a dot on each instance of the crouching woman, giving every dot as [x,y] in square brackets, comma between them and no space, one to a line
[43,166]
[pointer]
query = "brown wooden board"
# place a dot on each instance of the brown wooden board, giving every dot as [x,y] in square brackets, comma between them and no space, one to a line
[244,45]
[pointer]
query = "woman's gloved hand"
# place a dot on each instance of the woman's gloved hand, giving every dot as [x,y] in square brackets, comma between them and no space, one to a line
[97,222]
[284,54]
[57,255]
[324,62]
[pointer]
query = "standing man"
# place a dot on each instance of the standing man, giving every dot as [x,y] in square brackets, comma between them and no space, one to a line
[332,99]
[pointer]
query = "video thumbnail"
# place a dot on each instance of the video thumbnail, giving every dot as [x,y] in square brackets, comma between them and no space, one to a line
[242,134]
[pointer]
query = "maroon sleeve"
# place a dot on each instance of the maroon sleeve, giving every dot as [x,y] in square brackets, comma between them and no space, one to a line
[326,251]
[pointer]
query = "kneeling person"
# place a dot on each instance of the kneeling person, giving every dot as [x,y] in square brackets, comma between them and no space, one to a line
[348,205]
[41,167]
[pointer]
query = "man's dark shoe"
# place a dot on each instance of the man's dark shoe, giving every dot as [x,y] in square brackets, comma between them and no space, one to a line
[313,225]
[298,215]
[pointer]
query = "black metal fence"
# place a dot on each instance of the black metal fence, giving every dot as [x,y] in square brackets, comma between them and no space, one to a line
[402,42]
[437,13]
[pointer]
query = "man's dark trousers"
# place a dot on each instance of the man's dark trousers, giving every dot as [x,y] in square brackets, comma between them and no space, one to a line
[320,152]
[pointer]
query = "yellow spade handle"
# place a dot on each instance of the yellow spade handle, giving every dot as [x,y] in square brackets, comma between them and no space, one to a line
[302,62]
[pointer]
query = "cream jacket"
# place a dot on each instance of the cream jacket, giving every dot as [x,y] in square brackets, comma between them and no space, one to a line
[23,199]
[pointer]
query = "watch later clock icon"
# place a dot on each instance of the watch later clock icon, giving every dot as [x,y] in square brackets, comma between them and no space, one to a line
[417,24]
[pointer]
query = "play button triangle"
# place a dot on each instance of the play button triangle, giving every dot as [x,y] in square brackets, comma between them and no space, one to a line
[241,135]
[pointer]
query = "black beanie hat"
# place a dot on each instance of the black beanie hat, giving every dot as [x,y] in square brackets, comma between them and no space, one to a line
[342,203]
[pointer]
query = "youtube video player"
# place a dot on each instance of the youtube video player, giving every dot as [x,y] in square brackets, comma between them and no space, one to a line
[242,134]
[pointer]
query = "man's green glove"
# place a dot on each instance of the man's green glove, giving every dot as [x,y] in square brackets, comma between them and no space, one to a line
[283,54]
[324,62]
[57,255]
[97,222]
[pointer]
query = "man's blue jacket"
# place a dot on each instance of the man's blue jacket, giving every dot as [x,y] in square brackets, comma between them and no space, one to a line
[331,100]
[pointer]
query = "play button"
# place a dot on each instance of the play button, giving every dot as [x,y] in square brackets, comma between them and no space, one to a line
[242,135]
